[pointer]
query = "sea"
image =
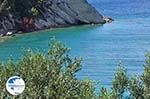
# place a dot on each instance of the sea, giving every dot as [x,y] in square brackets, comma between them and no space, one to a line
[102,47]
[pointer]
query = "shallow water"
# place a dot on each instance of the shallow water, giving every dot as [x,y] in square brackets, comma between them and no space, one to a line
[102,47]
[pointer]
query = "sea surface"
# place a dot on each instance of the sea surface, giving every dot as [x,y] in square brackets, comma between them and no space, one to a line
[102,47]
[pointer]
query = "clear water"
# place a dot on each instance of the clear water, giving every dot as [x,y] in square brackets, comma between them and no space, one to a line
[102,47]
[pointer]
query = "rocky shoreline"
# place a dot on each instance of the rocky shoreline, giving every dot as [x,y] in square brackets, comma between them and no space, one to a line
[53,14]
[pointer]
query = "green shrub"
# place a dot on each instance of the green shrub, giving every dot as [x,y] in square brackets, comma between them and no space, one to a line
[52,75]
[120,83]
[124,87]
[47,76]
[34,11]
[136,88]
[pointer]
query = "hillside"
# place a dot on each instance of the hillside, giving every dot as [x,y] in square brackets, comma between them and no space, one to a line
[31,15]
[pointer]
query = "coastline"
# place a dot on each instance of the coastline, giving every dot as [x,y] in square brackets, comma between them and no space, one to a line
[4,38]
[51,14]
[37,30]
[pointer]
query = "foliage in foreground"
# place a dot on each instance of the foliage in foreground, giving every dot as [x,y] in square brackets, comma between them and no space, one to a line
[53,76]
[123,87]
[47,76]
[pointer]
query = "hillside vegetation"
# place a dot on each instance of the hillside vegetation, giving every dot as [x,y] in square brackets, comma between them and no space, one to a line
[23,7]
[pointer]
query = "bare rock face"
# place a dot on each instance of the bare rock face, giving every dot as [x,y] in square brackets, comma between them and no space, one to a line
[53,13]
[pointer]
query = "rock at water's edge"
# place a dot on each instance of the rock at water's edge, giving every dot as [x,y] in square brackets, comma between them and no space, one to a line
[55,13]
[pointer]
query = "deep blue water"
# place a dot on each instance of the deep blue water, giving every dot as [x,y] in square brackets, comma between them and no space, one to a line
[102,47]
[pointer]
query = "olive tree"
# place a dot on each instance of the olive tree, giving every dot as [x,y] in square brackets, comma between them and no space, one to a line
[52,75]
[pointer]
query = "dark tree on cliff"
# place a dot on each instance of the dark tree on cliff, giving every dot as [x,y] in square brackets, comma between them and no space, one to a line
[3,5]
[24,7]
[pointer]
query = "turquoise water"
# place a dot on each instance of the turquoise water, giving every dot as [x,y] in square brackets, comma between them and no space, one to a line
[102,47]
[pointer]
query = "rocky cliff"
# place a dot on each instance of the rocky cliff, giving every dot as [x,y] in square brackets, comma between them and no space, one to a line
[52,13]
